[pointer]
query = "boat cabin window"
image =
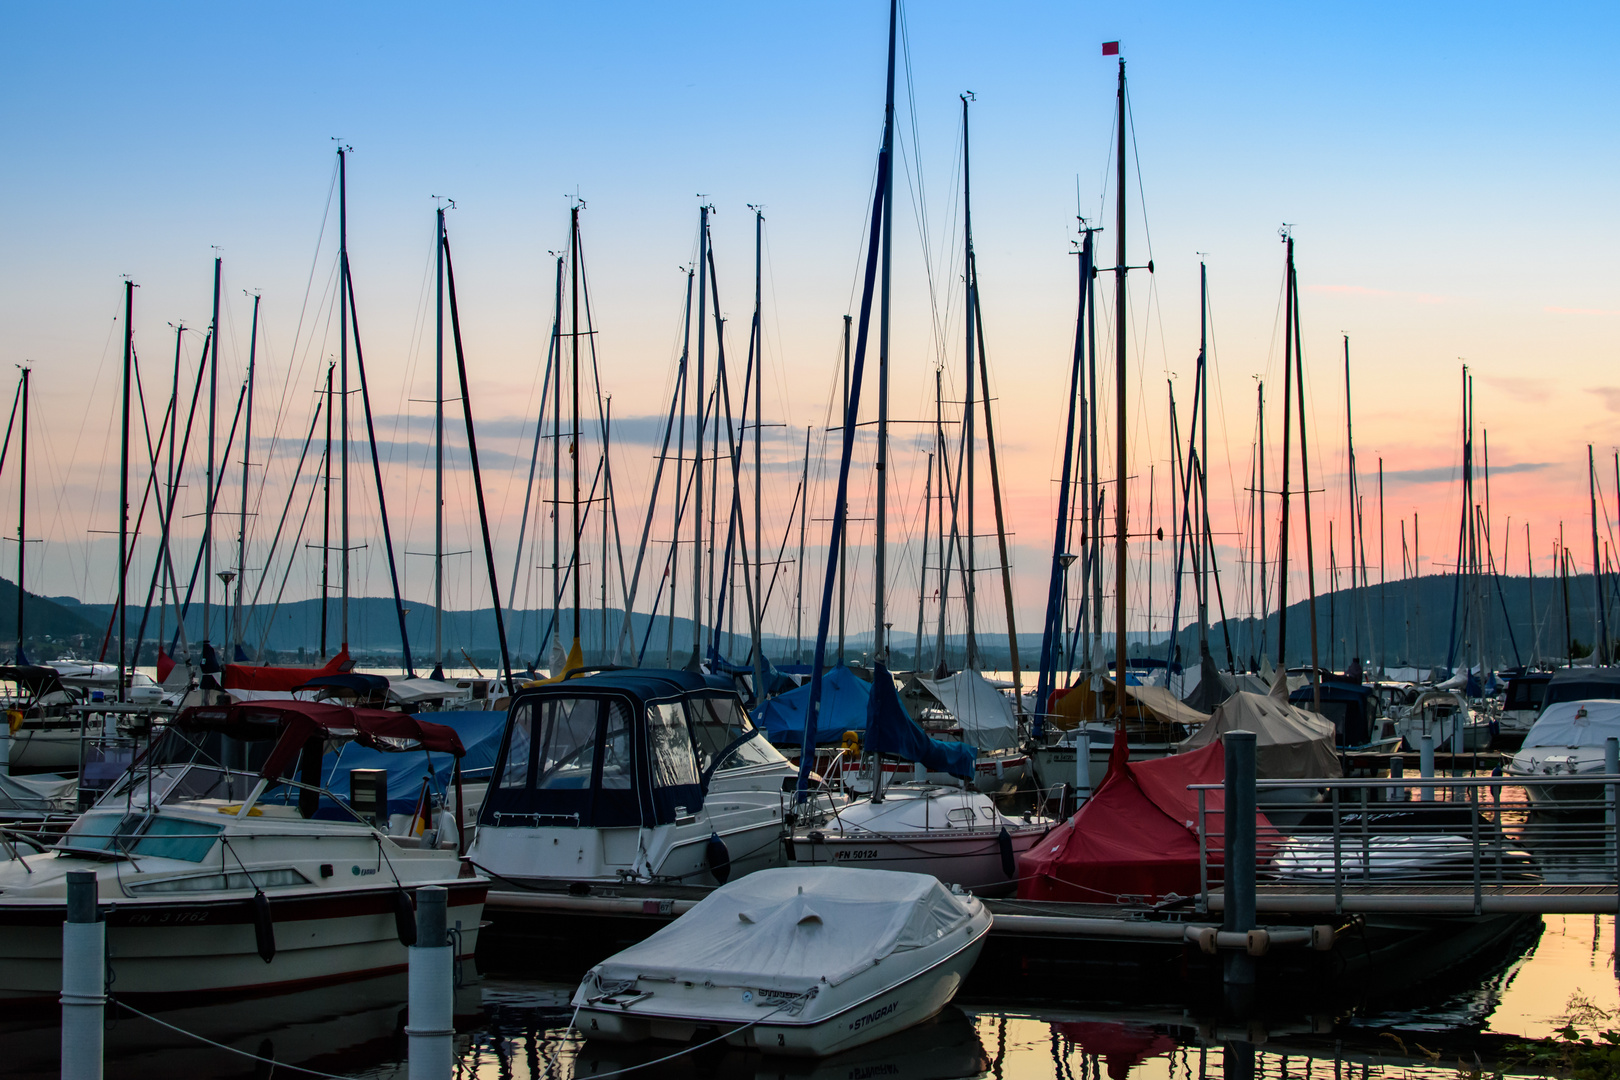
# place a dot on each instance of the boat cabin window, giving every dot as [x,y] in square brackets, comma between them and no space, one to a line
[574,761]
[1525,694]
[674,762]
[177,838]
[718,723]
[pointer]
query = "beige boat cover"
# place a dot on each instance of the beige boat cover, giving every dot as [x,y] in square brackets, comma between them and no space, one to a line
[1291,743]
[1144,703]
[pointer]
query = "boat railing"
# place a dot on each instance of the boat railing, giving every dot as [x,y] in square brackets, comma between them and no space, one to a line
[1462,844]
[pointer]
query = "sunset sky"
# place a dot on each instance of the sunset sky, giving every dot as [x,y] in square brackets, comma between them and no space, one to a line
[1448,172]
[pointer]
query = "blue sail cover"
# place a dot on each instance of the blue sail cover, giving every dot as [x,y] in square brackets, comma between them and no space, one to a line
[843,708]
[890,730]
[480,733]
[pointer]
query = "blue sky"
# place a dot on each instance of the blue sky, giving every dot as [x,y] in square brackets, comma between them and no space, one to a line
[1449,170]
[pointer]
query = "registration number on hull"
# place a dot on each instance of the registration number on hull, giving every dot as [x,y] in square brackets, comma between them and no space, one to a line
[855,854]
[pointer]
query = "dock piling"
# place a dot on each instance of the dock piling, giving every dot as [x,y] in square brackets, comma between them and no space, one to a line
[430,1021]
[1240,851]
[1397,769]
[1426,766]
[1082,768]
[5,746]
[84,981]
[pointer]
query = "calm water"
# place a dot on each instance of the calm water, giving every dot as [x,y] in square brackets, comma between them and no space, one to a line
[516,1028]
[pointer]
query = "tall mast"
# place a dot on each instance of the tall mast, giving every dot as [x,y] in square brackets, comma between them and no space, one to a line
[573,436]
[343,390]
[995,491]
[968,445]
[22,513]
[759,475]
[699,396]
[1383,613]
[843,551]
[1350,457]
[438,445]
[880,645]
[168,506]
[208,490]
[1265,582]
[804,515]
[1203,465]
[123,494]
[247,453]
[1121,518]
[1288,398]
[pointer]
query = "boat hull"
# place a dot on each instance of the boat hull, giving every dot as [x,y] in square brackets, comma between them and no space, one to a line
[195,946]
[973,860]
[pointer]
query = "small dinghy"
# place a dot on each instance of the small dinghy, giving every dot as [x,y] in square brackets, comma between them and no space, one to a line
[795,961]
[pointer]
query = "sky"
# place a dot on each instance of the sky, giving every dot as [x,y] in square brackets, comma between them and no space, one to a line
[1447,171]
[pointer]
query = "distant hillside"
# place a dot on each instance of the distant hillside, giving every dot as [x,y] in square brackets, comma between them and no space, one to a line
[49,627]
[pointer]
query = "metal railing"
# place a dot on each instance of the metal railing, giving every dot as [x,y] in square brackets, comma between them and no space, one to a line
[1461,844]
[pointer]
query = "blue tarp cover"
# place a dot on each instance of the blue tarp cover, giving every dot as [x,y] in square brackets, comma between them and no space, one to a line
[890,730]
[843,708]
[480,733]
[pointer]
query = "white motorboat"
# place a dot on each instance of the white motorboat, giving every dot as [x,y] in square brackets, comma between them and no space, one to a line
[954,833]
[631,776]
[1521,703]
[1569,740]
[217,879]
[792,961]
[1442,714]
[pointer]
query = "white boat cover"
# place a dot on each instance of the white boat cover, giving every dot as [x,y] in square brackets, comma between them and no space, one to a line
[410,691]
[38,794]
[1576,723]
[985,714]
[787,929]
[1290,743]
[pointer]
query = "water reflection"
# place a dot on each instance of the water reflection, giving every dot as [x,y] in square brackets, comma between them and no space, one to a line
[517,1029]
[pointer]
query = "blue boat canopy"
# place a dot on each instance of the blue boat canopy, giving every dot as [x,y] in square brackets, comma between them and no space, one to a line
[844,697]
[480,733]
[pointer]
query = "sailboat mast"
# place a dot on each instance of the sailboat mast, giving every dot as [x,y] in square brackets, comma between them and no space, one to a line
[1383,611]
[1121,516]
[326,515]
[1265,580]
[208,489]
[1203,470]
[343,391]
[1597,565]
[438,445]
[556,464]
[759,475]
[1305,495]
[804,516]
[247,453]
[968,444]
[1350,457]
[22,513]
[880,646]
[843,551]
[123,495]
[699,397]
[573,435]
[1288,429]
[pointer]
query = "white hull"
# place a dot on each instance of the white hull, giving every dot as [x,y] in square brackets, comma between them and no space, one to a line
[49,749]
[210,946]
[972,860]
[1055,765]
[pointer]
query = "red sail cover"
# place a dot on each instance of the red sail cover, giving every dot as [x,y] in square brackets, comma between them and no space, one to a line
[249,677]
[1138,836]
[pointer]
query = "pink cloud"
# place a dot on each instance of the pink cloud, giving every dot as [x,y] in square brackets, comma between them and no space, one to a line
[1610,396]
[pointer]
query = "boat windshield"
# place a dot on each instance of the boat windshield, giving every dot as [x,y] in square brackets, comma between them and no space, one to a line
[179,783]
[110,833]
[1525,694]
[723,733]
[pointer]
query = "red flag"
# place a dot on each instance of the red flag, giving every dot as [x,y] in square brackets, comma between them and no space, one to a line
[1110,48]
[164,665]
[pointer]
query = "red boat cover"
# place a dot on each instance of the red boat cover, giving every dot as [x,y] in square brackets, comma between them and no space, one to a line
[254,677]
[1138,836]
[299,721]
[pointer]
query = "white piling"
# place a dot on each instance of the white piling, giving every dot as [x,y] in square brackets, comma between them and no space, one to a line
[1082,767]
[430,1022]
[84,983]
[1426,765]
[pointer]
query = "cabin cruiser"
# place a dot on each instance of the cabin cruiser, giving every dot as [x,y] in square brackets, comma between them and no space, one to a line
[792,961]
[1443,715]
[631,776]
[1521,705]
[1568,740]
[215,875]
[951,831]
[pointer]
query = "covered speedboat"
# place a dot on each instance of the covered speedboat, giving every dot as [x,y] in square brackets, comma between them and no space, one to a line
[45,736]
[631,776]
[215,875]
[950,831]
[793,961]
[1569,740]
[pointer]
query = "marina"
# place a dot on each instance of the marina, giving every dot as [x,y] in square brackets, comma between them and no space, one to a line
[616,675]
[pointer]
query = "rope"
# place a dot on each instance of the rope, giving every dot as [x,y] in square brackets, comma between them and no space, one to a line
[696,1046]
[221,1046]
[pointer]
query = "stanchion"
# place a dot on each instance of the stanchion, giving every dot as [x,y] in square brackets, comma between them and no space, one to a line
[1240,853]
[84,979]
[1426,766]
[430,1023]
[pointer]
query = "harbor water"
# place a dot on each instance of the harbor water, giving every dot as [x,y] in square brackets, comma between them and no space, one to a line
[509,1026]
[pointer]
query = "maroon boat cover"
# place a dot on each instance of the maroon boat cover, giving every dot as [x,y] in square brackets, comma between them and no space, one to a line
[300,721]
[284,679]
[1138,836]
